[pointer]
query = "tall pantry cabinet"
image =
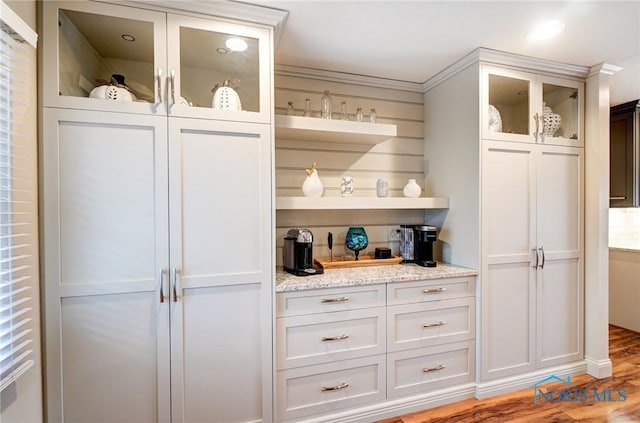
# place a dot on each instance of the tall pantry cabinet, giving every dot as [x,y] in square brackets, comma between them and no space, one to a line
[157,217]
[517,207]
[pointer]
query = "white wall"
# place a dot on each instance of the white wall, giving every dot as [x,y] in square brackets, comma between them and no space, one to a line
[395,160]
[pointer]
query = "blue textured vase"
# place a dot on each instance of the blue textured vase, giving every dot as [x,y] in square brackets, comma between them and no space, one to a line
[356,239]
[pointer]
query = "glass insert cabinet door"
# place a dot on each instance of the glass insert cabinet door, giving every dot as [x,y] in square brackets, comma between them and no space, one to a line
[218,69]
[103,57]
[532,108]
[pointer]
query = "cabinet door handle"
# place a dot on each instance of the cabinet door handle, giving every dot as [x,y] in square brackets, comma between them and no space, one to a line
[433,369]
[434,324]
[433,290]
[617,198]
[335,388]
[334,338]
[173,86]
[541,249]
[335,300]
[159,85]
[162,285]
[535,251]
[175,272]
[536,117]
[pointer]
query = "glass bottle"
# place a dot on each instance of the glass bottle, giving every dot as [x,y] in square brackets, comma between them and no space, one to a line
[359,115]
[290,110]
[307,107]
[372,116]
[325,110]
[344,115]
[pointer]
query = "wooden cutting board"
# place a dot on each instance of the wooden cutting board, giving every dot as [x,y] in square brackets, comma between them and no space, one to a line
[344,262]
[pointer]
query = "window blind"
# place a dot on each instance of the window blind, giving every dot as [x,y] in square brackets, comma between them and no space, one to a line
[18,202]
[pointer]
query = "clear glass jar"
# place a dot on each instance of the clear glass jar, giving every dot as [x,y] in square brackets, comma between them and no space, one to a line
[307,107]
[290,110]
[372,116]
[325,110]
[343,107]
[359,115]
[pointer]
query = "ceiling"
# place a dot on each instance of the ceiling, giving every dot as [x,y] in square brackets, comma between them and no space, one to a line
[414,40]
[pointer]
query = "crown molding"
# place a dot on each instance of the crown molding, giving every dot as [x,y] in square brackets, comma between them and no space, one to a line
[605,68]
[347,78]
[235,10]
[511,60]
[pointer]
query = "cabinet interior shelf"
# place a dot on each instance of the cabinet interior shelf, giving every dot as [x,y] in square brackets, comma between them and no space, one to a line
[332,130]
[344,203]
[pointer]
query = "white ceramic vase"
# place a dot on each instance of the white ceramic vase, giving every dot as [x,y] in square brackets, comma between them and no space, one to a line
[312,185]
[412,189]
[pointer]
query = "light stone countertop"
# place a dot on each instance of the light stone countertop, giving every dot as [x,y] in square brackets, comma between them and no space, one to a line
[354,276]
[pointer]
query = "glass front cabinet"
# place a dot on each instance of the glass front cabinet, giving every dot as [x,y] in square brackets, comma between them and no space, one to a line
[109,57]
[532,108]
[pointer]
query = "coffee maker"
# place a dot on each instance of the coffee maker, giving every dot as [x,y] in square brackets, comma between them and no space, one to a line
[424,237]
[298,253]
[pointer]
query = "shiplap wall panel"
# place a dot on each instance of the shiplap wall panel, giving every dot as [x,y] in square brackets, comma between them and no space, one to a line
[396,160]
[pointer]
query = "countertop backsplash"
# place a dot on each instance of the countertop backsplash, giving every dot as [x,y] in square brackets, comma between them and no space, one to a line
[624,228]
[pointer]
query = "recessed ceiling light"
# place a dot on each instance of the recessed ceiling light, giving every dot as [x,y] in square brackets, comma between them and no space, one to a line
[236,44]
[545,31]
[222,50]
[128,37]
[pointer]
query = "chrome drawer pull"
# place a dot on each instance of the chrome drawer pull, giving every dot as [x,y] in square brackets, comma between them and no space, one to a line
[433,369]
[434,324]
[434,290]
[334,338]
[335,300]
[335,388]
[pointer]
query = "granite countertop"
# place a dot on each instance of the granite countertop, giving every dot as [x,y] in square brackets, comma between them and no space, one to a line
[355,276]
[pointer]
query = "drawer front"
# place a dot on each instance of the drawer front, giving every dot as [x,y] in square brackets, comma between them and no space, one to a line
[426,369]
[320,338]
[431,323]
[296,303]
[430,290]
[326,388]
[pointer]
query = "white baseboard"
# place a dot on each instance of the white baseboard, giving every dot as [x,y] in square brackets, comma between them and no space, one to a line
[510,384]
[599,369]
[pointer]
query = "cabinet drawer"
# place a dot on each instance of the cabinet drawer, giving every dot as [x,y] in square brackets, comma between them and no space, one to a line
[431,323]
[320,338]
[430,290]
[326,388]
[425,369]
[295,303]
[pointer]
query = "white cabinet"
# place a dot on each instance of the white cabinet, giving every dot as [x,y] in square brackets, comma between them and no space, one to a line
[528,107]
[151,286]
[532,257]
[171,62]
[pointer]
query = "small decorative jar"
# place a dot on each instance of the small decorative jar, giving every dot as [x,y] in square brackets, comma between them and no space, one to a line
[550,121]
[346,186]
[412,189]
[372,116]
[382,188]
[359,115]
[307,107]
[325,102]
[312,186]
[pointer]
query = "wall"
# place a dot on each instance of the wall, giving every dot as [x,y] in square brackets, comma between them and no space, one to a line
[21,402]
[395,160]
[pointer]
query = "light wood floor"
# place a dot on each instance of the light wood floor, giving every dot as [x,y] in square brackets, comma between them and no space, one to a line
[624,350]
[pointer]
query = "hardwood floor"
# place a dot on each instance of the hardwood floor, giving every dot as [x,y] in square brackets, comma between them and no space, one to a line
[624,350]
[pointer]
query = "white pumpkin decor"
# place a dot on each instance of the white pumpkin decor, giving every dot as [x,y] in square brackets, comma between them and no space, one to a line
[116,90]
[312,185]
[226,97]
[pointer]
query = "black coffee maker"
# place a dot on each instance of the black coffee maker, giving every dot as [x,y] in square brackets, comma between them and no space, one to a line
[298,253]
[424,237]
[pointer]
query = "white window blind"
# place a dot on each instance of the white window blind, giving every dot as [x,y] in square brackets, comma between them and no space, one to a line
[18,202]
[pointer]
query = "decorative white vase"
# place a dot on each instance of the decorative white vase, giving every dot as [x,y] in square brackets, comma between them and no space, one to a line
[550,121]
[412,189]
[312,185]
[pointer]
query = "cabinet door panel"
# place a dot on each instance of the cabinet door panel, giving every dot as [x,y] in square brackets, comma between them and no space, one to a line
[105,241]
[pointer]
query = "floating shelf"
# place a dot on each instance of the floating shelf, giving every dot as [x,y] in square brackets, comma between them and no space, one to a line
[332,130]
[344,203]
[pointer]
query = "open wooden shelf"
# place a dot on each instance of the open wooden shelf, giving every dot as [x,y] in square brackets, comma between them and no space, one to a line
[332,130]
[344,203]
